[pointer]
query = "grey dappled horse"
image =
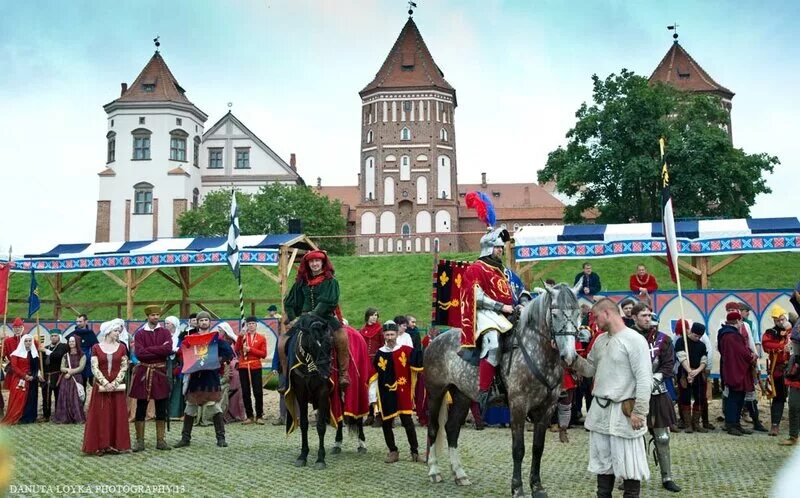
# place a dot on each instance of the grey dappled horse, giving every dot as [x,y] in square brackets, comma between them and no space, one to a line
[545,333]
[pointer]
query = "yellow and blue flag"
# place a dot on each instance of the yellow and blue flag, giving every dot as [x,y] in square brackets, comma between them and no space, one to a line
[33,297]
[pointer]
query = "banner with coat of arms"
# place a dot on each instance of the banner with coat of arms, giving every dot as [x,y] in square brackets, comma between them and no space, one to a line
[448,280]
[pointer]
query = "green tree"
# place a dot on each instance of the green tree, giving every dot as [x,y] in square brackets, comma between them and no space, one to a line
[612,160]
[269,211]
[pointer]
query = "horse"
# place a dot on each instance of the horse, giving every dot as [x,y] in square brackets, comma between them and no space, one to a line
[531,368]
[355,426]
[309,382]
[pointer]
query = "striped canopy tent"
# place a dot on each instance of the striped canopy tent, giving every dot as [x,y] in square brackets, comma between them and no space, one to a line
[140,259]
[697,241]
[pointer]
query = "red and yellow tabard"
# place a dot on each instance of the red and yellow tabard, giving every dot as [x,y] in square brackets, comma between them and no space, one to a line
[494,284]
[396,375]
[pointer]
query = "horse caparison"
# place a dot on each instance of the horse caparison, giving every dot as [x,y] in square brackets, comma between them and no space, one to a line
[545,333]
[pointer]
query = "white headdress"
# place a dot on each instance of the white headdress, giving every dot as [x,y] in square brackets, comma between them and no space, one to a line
[21,352]
[225,327]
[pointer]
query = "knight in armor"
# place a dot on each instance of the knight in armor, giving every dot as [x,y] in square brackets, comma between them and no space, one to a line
[316,292]
[662,414]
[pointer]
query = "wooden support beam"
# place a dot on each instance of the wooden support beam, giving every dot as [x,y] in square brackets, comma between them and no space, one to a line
[205,308]
[130,292]
[204,276]
[291,262]
[549,267]
[184,273]
[74,280]
[275,278]
[122,283]
[55,284]
[722,264]
[144,275]
[169,278]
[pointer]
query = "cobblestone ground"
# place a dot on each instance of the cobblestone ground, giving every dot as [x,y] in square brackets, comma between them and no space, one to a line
[259,462]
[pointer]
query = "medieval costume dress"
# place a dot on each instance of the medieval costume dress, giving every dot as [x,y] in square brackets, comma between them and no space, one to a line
[622,370]
[736,369]
[87,339]
[176,402]
[373,336]
[106,429]
[395,374]
[775,341]
[232,402]
[69,406]
[23,397]
[54,353]
[249,371]
[696,388]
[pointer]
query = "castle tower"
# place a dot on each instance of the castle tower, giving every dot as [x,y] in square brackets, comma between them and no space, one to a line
[407,182]
[152,172]
[681,71]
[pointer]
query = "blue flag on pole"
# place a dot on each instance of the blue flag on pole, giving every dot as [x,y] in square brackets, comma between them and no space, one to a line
[33,298]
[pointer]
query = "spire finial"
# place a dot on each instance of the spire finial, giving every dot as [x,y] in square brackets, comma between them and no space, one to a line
[156,42]
[411,7]
[674,27]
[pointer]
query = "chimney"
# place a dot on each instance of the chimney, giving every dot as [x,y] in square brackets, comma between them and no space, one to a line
[319,182]
[483,180]
[124,88]
[293,161]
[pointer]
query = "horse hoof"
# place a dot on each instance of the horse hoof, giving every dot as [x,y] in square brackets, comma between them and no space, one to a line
[336,450]
[436,478]
[320,466]
[362,450]
[539,493]
[463,481]
[300,462]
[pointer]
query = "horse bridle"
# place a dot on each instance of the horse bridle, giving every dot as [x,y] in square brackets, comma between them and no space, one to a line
[567,321]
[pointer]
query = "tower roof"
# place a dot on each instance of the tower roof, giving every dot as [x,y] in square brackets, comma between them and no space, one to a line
[155,84]
[680,70]
[409,65]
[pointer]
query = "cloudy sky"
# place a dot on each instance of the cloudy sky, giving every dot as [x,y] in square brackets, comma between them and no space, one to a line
[293,69]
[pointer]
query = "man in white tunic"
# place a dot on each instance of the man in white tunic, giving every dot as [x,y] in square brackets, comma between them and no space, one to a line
[620,364]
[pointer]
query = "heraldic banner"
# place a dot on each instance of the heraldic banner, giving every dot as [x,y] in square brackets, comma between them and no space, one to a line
[447,291]
[200,352]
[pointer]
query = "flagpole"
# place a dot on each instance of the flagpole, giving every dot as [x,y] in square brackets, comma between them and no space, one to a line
[5,319]
[674,262]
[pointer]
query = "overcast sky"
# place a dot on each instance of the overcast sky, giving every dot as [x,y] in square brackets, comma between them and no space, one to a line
[293,69]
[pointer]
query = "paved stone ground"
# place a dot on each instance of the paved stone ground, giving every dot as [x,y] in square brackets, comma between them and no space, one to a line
[259,462]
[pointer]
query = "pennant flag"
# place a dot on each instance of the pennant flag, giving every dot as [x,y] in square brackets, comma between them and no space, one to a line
[33,297]
[5,273]
[233,238]
[668,218]
[200,352]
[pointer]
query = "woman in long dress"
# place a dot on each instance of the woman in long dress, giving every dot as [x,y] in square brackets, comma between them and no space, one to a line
[69,407]
[23,383]
[232,403]
[106,429]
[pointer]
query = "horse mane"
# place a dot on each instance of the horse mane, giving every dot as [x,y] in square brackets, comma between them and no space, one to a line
[535,314]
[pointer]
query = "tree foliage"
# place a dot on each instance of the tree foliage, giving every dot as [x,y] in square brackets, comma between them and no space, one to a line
[612,160]
[269,211]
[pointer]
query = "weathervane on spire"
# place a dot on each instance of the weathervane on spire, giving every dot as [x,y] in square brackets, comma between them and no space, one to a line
[411,7]
[156,42]
[674,28]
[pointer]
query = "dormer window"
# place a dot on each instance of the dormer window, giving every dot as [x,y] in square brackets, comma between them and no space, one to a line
[405,134]
[682,74]
[149,87]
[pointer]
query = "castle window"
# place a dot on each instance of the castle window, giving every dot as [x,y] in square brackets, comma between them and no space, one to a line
[443,135]
[405,168]
[243,158]
[215,158]
[195,198]
[143,198]
[405,229]
[112,146]
[369,136]
[149,87]
[178,121]
[196,157]
[177,145]
[141,119]
[405,134]
[407,105]
[141,144]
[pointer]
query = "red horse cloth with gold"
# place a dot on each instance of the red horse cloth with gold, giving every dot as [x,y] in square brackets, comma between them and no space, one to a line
[494,284]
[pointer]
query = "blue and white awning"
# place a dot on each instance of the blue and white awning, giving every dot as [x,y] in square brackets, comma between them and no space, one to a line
[199,251]
[695,238]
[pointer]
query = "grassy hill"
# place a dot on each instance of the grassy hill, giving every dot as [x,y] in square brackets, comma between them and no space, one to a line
[394,284]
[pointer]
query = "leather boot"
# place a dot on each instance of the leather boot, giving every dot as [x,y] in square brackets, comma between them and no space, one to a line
[605,485]
[686,416]
[631,488]
[139,446]
[342,346]
[161,435]
[186,432]
[696,425]
[754,415]
[562,435]
[219,429]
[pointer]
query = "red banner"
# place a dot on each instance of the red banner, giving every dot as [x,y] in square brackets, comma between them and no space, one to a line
[5,273]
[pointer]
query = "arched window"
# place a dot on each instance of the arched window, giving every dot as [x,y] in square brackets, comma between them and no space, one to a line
[405,230]
[423,222]
[195,198]
[405,134]
[388,222]
[422,190]
[370,136]
[367,223]
[177,145]
[143,198]
[443,135]
[405,168]
[388,191]
[196,152]
[443,178]
[141,144]
[369,178]
[390,158]
[422,157]
[112,147]
[442,221]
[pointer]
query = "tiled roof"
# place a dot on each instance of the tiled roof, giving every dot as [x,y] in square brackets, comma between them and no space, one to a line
[680,70]
[155,84]
[409,65]
[512,195]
